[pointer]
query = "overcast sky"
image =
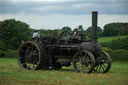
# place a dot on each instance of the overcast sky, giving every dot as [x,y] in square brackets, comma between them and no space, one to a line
[53,14]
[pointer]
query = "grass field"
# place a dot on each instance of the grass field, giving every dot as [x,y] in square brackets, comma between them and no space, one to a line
[11,74]
[109,39]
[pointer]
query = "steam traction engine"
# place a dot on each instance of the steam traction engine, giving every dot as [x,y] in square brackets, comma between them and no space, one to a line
[64,50]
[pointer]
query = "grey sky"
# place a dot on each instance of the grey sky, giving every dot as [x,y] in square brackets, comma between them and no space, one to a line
[52,14]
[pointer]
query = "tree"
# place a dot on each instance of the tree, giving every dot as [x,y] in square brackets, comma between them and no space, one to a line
[49,32]
[78,27]
[66,28]
[89,31]
[12,32]
[113,29]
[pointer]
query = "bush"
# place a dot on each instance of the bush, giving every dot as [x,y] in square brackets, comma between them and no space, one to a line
[11,53]
[2,46]
[119,55]
[107,49]
[2,54]
[117,44]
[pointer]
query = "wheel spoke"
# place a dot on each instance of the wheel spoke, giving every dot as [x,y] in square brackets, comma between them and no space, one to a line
[27,66]
[85,56]
[86,64]
[97,68]
[104,63]
[33,65]
[23,63]
[102,67]
[37,61]
[87,60]
[81,55]
[29,56]
[34,51]
[22,50]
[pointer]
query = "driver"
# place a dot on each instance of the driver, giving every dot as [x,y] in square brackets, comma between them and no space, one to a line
[36,34]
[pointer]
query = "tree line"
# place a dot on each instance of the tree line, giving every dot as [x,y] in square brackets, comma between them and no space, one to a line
[12,32]
[114,29]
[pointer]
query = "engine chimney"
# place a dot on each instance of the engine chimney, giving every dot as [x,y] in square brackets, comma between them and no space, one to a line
[94,25]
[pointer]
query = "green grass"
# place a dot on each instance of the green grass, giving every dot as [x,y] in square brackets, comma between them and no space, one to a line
[109,39]
[11,74]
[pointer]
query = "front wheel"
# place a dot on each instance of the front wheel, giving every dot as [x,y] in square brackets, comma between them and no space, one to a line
[84,61]
[103,63]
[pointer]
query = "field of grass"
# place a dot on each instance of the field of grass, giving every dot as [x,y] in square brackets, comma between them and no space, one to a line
[11,74]
[109,39]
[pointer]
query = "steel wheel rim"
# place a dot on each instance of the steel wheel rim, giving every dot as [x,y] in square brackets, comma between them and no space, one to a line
[105,64]
[83,62]
[29,56]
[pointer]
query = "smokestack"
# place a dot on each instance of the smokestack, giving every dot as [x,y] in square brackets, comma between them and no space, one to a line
[94,25]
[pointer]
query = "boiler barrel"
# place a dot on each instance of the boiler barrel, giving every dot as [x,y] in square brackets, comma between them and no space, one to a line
[68,49]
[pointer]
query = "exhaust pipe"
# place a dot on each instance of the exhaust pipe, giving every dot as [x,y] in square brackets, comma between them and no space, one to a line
[94,25]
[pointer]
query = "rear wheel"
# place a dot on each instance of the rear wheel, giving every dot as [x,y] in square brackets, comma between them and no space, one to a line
[83,61]
[32,56]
